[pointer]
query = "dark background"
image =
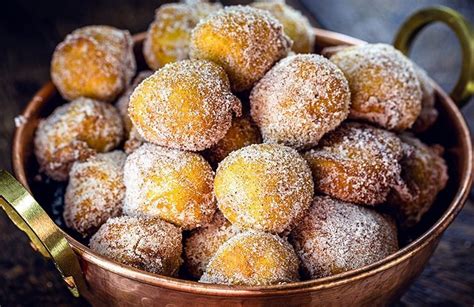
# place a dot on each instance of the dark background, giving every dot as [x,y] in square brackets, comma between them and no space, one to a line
[30,30]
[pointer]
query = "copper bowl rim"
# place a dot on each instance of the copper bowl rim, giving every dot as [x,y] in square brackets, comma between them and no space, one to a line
[332,38]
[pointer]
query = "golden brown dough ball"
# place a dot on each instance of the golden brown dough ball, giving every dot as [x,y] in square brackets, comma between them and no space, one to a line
[328,52]
[300,99]
[167,38]
[242,132]
[253,259]
[74,132]
[428,114]
[384,86]
[124,100]
[264,187]
[204,242]
[245,41]
[186,105]
[357,163]
[336,237]
[95,192]
[173,185]
[295,25]
[95,62]
[148,244]
[134,141]
[425,173]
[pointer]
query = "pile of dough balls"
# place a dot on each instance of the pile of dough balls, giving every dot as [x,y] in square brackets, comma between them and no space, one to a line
[240,157]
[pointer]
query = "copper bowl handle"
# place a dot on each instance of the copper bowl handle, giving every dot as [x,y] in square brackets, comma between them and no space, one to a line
[45,236]
[464,87]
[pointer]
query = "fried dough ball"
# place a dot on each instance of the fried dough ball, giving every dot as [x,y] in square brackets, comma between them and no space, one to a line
[357,163]
[425,173]
[300,99]
[264,187]
[124,100]
[245,41]
[384,87]
[336,237]
[173,185]
[186,105]
[428,114]
[295,25]
[242,132]
[253,259]
[74,132]
[167,38]
[328,52]
[204,242]
[148,244]
[95,192]
[135,140]
[95,62]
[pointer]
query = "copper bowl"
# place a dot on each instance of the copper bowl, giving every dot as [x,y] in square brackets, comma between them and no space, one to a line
[105,282]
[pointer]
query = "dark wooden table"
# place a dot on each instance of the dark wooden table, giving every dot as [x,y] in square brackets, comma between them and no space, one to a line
[29,31]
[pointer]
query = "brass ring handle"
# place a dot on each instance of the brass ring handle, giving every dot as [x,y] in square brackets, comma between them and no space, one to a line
[464,31]
[44,235]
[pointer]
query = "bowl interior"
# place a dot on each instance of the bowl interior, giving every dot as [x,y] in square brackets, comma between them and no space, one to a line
[450,131]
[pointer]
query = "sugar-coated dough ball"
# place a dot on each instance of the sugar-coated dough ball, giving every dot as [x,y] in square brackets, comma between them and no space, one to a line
[295,25]
[245,41]
[300,99]
[95,62]
[75,131]
[134,141]
[148,244]
[384,86]
[204,242]
[95,192]
[357,163]
[253,259]
[124,100]
[425,173]
[336,237]
[264,187]
[242,132]
[167,38]
[173,185]
[186,105]
[428,114]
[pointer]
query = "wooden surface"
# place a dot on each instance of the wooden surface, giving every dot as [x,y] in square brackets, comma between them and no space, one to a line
[29,31]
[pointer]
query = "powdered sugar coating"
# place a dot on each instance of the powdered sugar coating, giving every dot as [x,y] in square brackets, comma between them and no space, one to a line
[357,163]
[186,105]
[428,114]
[242,132]
[300,99]
[124,99]
[253,258]
[148,244]
[295,24]
[336,237]
[173,185]
[425,173]
[95,192]
[264,187]
[168,36]
[245,41]
[135,140]
[95,62]
[384,86]
[204,242]
[74,132]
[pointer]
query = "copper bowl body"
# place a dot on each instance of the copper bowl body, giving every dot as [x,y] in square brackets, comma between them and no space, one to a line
[110,283]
